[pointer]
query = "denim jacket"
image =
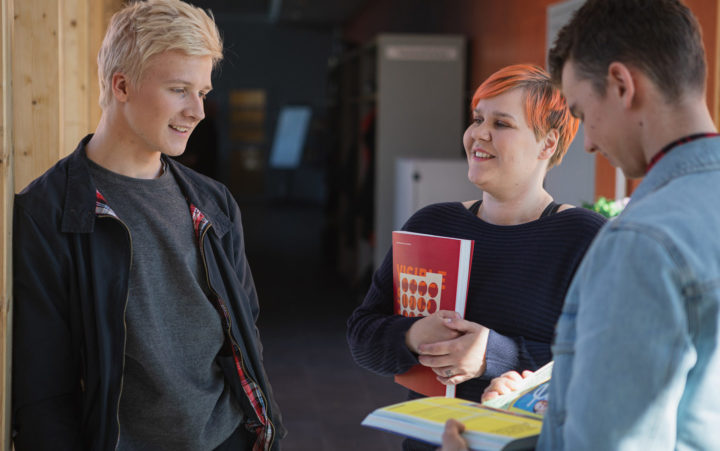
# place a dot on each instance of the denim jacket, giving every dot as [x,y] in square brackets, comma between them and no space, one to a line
[637,346]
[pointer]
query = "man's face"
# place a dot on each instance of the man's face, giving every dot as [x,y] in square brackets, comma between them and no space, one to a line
[167,103]
[608,125]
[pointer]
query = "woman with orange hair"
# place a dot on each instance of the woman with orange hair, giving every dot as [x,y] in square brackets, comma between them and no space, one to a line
[527,247]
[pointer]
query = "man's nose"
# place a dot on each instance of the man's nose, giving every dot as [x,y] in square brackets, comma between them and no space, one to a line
[196,108]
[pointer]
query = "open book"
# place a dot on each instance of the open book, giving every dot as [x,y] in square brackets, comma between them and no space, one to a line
[430,273]
[509,422]
[531,395]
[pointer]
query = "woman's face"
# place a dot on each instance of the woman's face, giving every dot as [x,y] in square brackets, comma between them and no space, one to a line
[504,157]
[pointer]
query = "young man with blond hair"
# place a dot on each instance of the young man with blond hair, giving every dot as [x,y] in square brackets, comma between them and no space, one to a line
[135,308]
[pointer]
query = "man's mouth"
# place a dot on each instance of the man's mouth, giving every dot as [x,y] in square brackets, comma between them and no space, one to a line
[180,128]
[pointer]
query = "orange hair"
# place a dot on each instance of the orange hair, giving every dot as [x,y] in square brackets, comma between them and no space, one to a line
[545,106]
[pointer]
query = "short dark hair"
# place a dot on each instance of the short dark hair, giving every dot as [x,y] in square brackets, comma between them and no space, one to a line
[660,37]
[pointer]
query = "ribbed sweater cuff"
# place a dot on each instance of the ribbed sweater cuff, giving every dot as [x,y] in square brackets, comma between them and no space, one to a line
[505,354]
[405,357]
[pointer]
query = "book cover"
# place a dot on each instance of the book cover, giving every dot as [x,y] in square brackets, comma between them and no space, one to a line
[486,428]
[430,273]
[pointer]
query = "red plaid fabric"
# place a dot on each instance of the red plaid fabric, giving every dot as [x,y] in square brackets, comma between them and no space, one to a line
[102,207]
[260,425]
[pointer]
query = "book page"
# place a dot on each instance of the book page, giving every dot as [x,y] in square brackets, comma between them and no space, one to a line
[476,417]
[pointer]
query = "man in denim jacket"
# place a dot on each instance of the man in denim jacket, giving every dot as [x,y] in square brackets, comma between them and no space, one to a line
[637,348]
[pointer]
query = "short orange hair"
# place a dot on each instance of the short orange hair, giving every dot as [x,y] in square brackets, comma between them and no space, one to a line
[545,106]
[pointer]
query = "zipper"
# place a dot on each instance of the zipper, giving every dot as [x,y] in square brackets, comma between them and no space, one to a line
[122,373]
[232,340]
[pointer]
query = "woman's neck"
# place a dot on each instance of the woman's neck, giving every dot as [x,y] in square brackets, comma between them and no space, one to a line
[513,211]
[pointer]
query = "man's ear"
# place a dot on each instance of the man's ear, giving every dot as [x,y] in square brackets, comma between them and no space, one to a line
[621,83]
[120,86]
[550,143]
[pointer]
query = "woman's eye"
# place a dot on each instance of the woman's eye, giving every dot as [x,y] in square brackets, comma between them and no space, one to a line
[178,90]
[502,124]
[478,120]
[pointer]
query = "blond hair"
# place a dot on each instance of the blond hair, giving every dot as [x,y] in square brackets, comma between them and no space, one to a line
[145,28]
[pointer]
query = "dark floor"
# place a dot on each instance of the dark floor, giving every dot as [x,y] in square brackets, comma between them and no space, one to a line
[322,394]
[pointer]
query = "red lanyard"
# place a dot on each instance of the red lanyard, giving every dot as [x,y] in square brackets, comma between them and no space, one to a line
[686,139]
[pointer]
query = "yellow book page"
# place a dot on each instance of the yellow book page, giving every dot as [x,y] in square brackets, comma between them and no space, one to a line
[475,416]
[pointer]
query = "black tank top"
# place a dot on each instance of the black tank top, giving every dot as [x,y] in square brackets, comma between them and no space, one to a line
[551,208]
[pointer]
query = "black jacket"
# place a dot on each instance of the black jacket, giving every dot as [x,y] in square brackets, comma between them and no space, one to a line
[71,268]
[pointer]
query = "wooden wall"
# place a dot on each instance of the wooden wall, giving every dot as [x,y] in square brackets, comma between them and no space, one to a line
[49,100]
[6,192]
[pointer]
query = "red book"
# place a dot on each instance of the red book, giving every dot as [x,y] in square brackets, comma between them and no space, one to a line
[430,273]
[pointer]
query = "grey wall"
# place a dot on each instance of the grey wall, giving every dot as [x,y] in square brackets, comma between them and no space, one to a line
[421,112]
[289,63]
[573,182]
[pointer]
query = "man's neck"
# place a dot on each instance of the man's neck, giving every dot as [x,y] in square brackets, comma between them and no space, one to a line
[669,122]
[109,148]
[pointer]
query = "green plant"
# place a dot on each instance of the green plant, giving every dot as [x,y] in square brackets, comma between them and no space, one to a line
[607,207]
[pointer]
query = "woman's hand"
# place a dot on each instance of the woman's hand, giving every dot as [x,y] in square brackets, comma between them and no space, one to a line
[506,383]
[430,329]
[452,439]
[459,359]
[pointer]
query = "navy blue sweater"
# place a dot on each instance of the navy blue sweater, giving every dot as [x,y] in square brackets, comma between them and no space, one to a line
[518,281]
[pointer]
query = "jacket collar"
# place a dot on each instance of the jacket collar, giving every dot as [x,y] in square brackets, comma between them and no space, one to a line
[78,214]
[699,155]
[197,193]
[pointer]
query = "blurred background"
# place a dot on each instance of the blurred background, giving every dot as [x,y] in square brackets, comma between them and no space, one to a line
[331,121]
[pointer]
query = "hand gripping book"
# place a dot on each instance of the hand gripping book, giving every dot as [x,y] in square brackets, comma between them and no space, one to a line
[430,273]
[509,422]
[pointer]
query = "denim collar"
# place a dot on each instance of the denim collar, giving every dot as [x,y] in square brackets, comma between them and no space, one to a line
[696,156]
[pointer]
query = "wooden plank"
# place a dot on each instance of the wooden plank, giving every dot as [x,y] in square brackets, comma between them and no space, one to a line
[99,13]
[6,197]
[96,32]
[604,178]
[76,73]
[37,97]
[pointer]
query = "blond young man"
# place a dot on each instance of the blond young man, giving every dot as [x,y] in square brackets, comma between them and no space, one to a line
[135,308]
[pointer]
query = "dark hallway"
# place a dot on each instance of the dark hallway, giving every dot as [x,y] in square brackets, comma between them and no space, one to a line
[323,395]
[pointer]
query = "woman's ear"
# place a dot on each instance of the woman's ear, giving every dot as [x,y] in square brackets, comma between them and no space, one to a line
[549,144]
